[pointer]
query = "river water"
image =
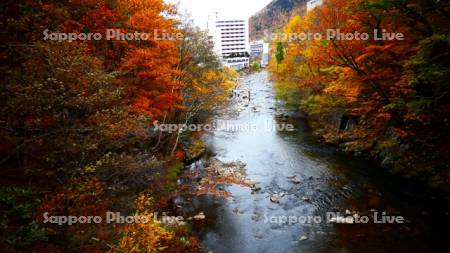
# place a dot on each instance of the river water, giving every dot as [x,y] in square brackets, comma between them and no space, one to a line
[313,180]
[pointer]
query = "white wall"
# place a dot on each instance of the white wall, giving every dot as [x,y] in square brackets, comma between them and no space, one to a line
[222,29]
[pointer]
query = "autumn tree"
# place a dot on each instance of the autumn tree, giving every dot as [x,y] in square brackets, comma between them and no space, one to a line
[378,83]
[206,85]
[82,111]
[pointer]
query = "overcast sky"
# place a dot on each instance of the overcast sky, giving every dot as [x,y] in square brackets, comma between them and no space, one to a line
[200,9]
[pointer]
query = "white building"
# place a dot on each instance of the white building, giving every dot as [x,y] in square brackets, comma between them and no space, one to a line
[265,56]
[260,49]
[256,48]
[231,41]
[311,4]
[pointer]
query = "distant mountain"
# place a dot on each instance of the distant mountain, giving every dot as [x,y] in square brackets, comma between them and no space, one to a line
[274,16]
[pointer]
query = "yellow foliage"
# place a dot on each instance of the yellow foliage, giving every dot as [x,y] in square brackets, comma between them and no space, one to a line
[144,237]
[210,88]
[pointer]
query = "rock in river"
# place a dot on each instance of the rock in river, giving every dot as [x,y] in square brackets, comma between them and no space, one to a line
[200,216]
[275,198]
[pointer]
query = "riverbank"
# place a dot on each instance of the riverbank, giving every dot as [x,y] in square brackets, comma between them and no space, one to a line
[386,100]
[296,176]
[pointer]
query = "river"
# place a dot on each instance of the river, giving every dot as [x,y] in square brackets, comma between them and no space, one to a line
[311,179]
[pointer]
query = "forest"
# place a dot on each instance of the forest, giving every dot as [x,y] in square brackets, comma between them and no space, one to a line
[383,99]
[77,120]
[82,125]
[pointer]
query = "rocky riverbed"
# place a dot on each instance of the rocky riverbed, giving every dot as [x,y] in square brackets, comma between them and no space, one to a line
[270,178]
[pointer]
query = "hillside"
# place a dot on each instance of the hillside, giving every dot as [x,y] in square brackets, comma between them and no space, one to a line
[274,16]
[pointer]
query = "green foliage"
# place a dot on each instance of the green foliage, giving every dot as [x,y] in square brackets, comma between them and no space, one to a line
[256,66]
[279,53]
[18,206]
[376,5]
[56,109]
[290,95]
[18,203]
[428,71]
[419,107]
[172,172]
[26,235]
[318,104]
